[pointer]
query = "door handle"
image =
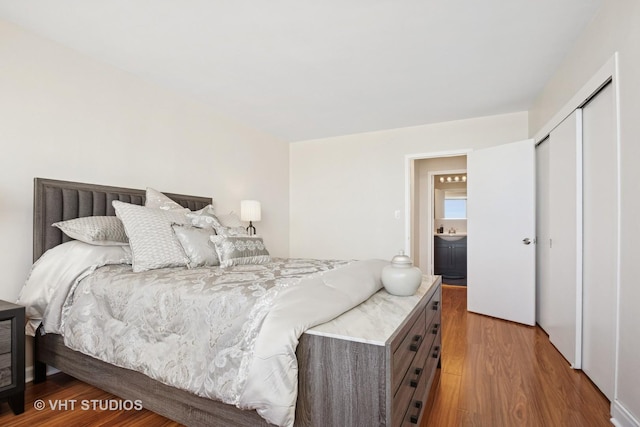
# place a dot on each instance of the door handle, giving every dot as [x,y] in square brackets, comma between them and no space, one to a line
[526,241]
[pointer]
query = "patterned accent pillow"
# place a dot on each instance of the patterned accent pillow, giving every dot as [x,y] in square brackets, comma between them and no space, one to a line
[197,245]
[95,230]
[238,250]
[225,225]
[157,200]
[204,218]
[153,242]
[231,225]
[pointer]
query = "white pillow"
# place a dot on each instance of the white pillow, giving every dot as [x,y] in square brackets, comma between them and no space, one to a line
[95,230]
[153,242]
[157,200]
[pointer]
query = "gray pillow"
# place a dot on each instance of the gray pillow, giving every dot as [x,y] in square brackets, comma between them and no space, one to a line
[197,245]
[95,230]
[238,250]
[153,242]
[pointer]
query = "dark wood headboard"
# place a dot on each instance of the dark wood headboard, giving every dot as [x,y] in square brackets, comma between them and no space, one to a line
[63,200]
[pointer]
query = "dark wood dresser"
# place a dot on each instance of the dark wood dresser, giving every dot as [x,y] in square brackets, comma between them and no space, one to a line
[375,365]
[12,355]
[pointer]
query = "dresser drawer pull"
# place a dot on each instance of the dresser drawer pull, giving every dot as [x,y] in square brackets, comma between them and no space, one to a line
[414,382]
[435,305]
[414,418]
[434,331]
[436,352]
[415,343]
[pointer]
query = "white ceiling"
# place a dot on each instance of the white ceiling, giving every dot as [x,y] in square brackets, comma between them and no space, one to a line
[302,69]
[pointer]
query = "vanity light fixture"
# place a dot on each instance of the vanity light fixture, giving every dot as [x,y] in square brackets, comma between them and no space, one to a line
[250,211]
[452,179]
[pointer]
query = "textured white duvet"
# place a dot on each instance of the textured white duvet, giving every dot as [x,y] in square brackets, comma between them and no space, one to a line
[228,334]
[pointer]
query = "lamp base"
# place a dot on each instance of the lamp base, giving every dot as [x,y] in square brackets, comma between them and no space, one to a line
[251,230]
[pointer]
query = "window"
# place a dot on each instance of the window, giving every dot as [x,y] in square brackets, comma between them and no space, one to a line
[455,208]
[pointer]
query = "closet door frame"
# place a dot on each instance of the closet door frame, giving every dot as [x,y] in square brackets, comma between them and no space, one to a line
[543,280]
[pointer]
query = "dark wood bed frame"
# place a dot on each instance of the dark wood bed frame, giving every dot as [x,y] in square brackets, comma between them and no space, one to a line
[62,200]
[340,382]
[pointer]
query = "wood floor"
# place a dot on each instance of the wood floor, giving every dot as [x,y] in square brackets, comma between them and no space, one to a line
[497,373]
[494,374]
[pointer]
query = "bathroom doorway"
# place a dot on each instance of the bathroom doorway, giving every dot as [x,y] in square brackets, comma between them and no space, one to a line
[430,196]
[449,213]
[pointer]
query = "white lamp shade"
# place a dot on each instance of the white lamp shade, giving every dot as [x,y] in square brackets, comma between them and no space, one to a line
[250,210]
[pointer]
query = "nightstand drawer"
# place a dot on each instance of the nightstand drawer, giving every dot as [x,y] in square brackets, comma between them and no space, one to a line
[12,355]
[5,336]
[5,370]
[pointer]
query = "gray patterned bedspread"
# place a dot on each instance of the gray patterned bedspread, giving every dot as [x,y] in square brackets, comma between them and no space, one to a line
[228,334]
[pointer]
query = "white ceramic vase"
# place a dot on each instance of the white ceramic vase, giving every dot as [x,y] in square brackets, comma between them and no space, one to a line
[400,277]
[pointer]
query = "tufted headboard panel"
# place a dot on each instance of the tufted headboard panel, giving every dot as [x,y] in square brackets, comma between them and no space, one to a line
[62,200]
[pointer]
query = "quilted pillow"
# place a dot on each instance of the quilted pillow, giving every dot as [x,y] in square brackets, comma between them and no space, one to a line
[95,230]
[153,242]
[157,200]
[197,245]
[237,250]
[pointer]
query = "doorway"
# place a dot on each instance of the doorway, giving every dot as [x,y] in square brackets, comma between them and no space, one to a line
[426,217]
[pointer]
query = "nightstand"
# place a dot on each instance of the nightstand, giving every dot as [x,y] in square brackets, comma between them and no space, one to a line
[12,355]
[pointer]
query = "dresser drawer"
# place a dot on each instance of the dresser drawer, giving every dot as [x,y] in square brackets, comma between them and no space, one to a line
[411,382]
[414,412]
[406,351]
[433,308]
[433,327]
[5,336]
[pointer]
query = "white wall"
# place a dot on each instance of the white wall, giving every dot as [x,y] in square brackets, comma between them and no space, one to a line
[64,116]
[614,29]
[345,190]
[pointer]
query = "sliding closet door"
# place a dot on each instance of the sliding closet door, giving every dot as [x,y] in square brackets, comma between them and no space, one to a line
[565,242]
[600,239]
[544,289]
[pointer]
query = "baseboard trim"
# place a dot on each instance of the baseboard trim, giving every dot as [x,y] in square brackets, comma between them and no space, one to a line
[28,373]
[621,417]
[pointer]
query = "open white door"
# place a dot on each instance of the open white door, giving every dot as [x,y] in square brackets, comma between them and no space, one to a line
[501,230]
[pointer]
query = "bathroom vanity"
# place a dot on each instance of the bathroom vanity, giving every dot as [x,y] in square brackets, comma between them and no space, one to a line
[450,255]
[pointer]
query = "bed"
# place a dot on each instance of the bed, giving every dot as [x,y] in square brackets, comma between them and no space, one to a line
[375,392]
